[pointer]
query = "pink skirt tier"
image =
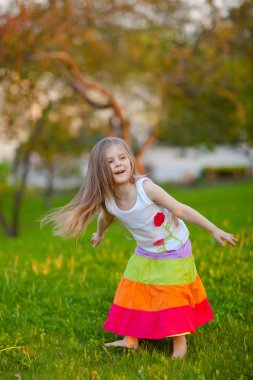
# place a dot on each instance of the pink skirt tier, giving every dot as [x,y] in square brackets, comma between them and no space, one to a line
[159,324]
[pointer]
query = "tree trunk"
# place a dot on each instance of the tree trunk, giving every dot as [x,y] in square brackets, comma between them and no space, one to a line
[3,222]
[22,160]
[50,186]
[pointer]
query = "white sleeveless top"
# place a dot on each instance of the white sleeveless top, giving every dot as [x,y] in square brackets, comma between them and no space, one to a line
[150,224]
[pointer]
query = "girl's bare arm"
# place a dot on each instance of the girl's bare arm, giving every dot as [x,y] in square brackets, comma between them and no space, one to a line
[182,211]
[103,222]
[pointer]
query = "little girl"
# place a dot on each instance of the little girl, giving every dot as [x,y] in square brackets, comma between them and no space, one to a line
[161,294]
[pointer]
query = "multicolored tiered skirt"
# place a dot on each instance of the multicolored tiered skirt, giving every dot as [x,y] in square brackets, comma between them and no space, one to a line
[160,295]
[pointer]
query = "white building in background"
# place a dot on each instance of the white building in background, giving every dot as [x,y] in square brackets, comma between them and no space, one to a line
[185,164]
[162,164]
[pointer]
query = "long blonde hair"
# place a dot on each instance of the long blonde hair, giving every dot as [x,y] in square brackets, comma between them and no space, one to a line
[74,218]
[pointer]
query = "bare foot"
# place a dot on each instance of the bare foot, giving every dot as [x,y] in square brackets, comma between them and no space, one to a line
[179,347]
[127,341]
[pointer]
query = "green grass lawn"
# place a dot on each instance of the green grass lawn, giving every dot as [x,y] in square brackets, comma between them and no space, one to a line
[55,295]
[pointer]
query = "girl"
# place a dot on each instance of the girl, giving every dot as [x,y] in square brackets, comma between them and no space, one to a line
[161,294]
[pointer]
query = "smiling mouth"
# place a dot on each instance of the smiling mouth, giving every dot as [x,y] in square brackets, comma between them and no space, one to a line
[121,172]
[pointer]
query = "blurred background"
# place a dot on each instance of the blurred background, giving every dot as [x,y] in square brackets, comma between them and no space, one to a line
[173,78]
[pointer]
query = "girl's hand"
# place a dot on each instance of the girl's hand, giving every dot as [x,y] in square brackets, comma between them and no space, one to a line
[96,239]
[222,237]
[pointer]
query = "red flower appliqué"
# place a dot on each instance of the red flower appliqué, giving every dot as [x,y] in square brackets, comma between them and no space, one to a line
[159,219]
[159,242]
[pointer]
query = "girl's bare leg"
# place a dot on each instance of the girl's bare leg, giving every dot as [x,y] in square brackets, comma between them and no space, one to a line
[179,347]
[127,341]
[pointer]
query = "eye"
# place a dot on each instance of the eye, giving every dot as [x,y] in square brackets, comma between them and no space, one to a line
[122,158]
[110,161]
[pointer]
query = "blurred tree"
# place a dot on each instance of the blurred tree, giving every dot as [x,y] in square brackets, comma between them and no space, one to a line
[48,119]
[92,33]
[207,82]
[198,82]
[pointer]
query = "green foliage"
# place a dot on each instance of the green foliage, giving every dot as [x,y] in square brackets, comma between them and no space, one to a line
[207,85]
[4,174]
[213,174]
[199,84]
[55,296]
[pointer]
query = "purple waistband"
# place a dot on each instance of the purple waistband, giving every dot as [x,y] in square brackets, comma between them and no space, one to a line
[180,253]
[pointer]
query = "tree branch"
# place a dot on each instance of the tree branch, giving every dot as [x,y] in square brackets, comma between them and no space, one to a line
[141,151]
[72,66]
[78,87]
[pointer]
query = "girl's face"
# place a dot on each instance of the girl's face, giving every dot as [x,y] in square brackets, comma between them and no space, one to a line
[119,163]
